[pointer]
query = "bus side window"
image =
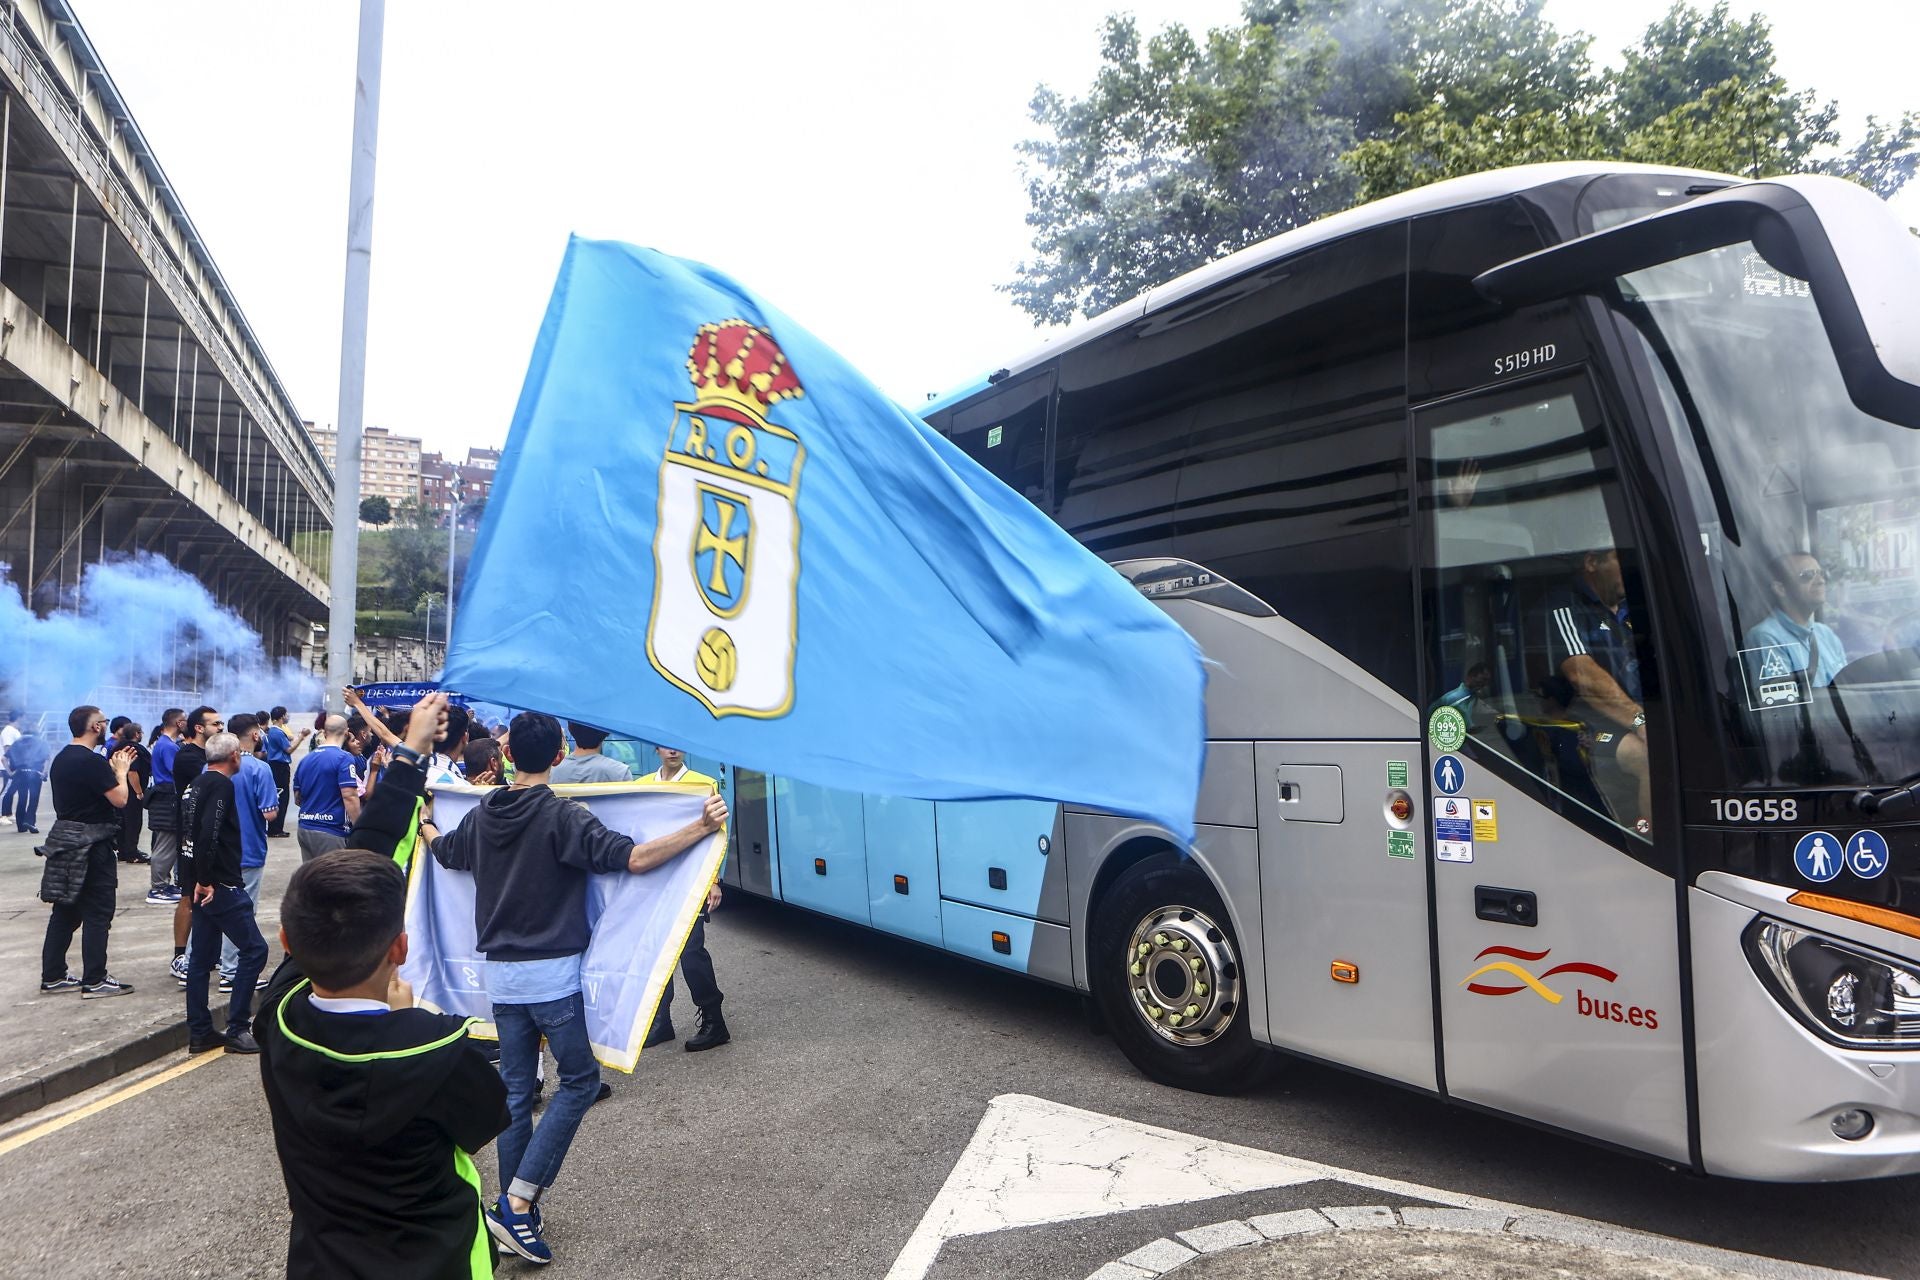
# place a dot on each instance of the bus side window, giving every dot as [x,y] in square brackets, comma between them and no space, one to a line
[1115,472]
[1007,435]
[1293,482]
[1534,637]
[1258,429]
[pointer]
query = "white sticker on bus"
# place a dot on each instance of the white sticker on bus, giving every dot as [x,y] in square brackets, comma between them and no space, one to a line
[1452,829]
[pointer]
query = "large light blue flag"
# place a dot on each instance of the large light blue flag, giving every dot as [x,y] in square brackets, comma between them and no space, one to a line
[708,529]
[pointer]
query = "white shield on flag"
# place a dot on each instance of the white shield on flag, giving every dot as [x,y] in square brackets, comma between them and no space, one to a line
[726,559]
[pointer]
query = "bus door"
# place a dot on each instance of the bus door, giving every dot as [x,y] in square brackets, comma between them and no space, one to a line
[1556,946]
[751,864]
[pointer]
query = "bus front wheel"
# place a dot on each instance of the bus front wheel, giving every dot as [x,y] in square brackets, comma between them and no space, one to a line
[1165,971]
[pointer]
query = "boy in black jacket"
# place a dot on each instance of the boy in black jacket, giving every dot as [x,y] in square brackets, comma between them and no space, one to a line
[376,1105]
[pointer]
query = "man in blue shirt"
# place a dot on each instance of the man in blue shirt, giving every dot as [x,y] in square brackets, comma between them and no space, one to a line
[256,802]
[1800,588]
[163,809]
[280,747]
[327,788]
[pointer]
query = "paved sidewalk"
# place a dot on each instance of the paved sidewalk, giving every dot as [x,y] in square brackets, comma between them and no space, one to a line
[52,1047]
[1378,1242]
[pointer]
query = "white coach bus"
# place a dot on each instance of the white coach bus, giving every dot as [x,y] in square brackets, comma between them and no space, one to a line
[1555,537]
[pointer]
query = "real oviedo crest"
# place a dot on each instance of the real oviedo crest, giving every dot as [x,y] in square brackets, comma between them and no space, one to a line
[726,545]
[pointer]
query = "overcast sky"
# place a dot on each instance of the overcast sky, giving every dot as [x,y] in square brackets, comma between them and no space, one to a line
[853,162]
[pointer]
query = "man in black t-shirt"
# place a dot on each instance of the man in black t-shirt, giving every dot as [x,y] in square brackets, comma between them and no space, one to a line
[88,792]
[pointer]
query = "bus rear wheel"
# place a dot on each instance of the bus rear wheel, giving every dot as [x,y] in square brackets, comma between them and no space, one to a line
[1165,971]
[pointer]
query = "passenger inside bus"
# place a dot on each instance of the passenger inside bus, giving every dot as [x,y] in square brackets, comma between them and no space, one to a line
[1537,623]
[1594,677]
[1465,697]
[1799,587]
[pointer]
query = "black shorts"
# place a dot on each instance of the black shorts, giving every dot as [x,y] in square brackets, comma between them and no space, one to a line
[1603,743]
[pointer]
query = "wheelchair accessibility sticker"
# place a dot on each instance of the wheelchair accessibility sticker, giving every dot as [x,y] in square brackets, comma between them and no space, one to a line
[1776,677]
[1866,854]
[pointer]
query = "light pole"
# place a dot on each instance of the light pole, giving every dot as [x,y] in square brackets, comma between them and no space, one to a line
[426,641]
[453,539]
[353,355]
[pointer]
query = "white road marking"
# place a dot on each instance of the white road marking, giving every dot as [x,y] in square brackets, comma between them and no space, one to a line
[1033,1162]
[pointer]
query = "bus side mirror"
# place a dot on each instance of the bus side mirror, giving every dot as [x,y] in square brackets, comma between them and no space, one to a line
[1861,263]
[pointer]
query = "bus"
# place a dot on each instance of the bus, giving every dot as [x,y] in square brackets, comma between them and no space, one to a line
[1553,536]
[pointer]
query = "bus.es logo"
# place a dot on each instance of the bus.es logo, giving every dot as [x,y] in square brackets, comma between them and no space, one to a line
[1502,976]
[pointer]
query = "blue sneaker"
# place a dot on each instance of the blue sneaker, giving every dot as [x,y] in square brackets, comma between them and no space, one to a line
[519,1233]
[502,1248]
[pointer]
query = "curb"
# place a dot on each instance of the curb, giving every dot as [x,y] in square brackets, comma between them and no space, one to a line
[62,1083]
[1168,1255]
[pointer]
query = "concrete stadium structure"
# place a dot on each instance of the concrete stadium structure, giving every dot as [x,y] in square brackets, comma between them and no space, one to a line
[138,411]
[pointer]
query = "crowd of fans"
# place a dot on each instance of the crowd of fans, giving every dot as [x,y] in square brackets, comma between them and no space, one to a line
[214,791]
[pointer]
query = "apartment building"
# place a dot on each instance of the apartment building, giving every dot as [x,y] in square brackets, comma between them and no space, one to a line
[471,481]
[389,463]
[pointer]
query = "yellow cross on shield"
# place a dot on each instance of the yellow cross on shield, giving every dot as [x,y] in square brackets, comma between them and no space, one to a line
[726,556]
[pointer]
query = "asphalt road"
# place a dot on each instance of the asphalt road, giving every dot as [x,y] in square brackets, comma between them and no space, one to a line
[814,1143]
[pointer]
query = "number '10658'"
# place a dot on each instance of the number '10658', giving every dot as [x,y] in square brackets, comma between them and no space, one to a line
[1731,809]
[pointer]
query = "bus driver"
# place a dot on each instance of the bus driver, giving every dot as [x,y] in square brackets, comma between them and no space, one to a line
[1799,591]
[1595,668]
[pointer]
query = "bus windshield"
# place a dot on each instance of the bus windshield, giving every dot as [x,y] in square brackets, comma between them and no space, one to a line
[1808,515]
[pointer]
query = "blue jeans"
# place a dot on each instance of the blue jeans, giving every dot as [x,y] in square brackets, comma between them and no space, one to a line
[529,1157]
[23,796]
[229,914]
[229,953]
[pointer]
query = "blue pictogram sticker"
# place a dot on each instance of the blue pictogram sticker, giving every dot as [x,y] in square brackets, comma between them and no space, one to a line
[1818,856]
[1866,854]
[1449,775]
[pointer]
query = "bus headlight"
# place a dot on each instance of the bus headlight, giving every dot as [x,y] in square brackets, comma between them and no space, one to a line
[1845,993]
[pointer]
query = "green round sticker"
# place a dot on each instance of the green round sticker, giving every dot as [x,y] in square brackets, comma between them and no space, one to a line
[1446,729]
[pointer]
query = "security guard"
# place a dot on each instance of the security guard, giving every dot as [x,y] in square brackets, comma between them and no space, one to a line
[695,963]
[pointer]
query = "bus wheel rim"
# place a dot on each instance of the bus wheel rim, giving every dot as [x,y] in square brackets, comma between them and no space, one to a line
[1182,976]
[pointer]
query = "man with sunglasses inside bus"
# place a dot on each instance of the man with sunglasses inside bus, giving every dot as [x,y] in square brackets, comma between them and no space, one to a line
[1799,589]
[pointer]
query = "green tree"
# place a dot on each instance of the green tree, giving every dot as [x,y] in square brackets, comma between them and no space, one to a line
[415,558]
[1886,158]
[1700,90]
[1687,53]
[1187,148]
[376,510]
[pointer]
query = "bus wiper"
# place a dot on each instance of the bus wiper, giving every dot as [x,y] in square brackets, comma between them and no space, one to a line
[1902,796]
